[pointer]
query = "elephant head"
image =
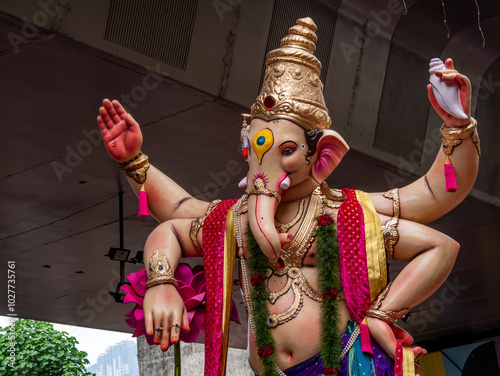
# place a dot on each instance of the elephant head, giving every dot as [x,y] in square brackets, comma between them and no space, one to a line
[291,149]
[286,163]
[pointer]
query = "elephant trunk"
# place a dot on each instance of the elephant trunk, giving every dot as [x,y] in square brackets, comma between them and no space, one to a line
[261,211]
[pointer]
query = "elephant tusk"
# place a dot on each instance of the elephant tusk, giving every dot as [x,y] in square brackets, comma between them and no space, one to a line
[243,183]
[285,184]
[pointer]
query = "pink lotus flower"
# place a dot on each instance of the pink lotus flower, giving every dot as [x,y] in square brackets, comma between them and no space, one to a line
[191,288]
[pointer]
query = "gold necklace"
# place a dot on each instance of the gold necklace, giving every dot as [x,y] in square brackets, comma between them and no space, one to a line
[284,227]
[290,263]
[293,253]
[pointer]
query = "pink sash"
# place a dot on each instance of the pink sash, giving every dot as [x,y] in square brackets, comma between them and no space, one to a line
[213,260]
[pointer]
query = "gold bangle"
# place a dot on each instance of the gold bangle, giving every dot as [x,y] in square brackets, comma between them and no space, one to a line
[453,136]
[136,168]
[130,160]
[159,271]
[390,317]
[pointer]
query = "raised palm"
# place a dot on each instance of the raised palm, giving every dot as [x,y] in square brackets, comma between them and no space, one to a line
[121,133]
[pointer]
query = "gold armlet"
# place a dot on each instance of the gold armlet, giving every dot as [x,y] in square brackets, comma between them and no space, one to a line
[259,188]
[136,168]
[453,136]
[390,228]
[390,317]
[212,206]
[197,224]
[159,271]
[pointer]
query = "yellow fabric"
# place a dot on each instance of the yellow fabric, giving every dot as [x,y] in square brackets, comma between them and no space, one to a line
[408,362]
[229,256]
[375,249]
[432,365]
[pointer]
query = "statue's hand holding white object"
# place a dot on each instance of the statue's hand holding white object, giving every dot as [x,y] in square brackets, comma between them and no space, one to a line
[456,116]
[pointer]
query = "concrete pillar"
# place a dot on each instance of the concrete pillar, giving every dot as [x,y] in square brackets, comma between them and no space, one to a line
[154,362]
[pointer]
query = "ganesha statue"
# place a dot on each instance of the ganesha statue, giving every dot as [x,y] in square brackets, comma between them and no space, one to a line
[312,259]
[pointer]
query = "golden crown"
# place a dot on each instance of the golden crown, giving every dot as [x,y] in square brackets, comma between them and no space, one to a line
[292,88]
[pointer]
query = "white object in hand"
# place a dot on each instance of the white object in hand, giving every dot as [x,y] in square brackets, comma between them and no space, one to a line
[447,95]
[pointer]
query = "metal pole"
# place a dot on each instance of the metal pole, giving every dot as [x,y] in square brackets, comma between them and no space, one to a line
[120,202]
[122,263]
[177,359]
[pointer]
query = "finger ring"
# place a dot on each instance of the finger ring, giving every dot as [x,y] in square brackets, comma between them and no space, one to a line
[176,326]
[158,329]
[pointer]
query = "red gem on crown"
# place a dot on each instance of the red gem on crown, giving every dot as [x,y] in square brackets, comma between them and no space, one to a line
[269,102]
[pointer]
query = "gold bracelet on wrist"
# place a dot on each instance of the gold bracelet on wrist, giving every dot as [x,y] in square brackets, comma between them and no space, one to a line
[390,317]
[159,271]
[453,136]
[136,168]
[130,160]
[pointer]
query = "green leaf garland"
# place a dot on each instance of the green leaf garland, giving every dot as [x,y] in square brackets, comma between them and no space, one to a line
[327,253]
[257,264]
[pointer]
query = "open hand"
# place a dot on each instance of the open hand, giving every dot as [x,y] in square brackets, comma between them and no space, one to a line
[164,309]
[121,133]
[451,76]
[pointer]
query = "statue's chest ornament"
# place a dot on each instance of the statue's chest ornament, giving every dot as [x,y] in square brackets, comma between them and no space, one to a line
[291,260]
[292,254]
[299,285]
[289,263]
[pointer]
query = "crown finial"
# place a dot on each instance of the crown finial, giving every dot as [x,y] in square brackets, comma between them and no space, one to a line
[292,88]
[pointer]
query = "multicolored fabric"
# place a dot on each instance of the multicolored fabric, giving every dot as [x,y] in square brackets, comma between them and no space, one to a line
[310,367]
[362,254]
[356,363]
[213,259]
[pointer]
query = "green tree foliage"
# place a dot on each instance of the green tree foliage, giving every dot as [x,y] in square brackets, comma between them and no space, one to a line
[35,348]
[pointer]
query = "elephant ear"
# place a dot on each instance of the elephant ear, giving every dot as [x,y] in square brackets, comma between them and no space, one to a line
[330,151]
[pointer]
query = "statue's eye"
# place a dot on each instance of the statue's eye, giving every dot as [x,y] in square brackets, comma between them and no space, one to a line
[288,151]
